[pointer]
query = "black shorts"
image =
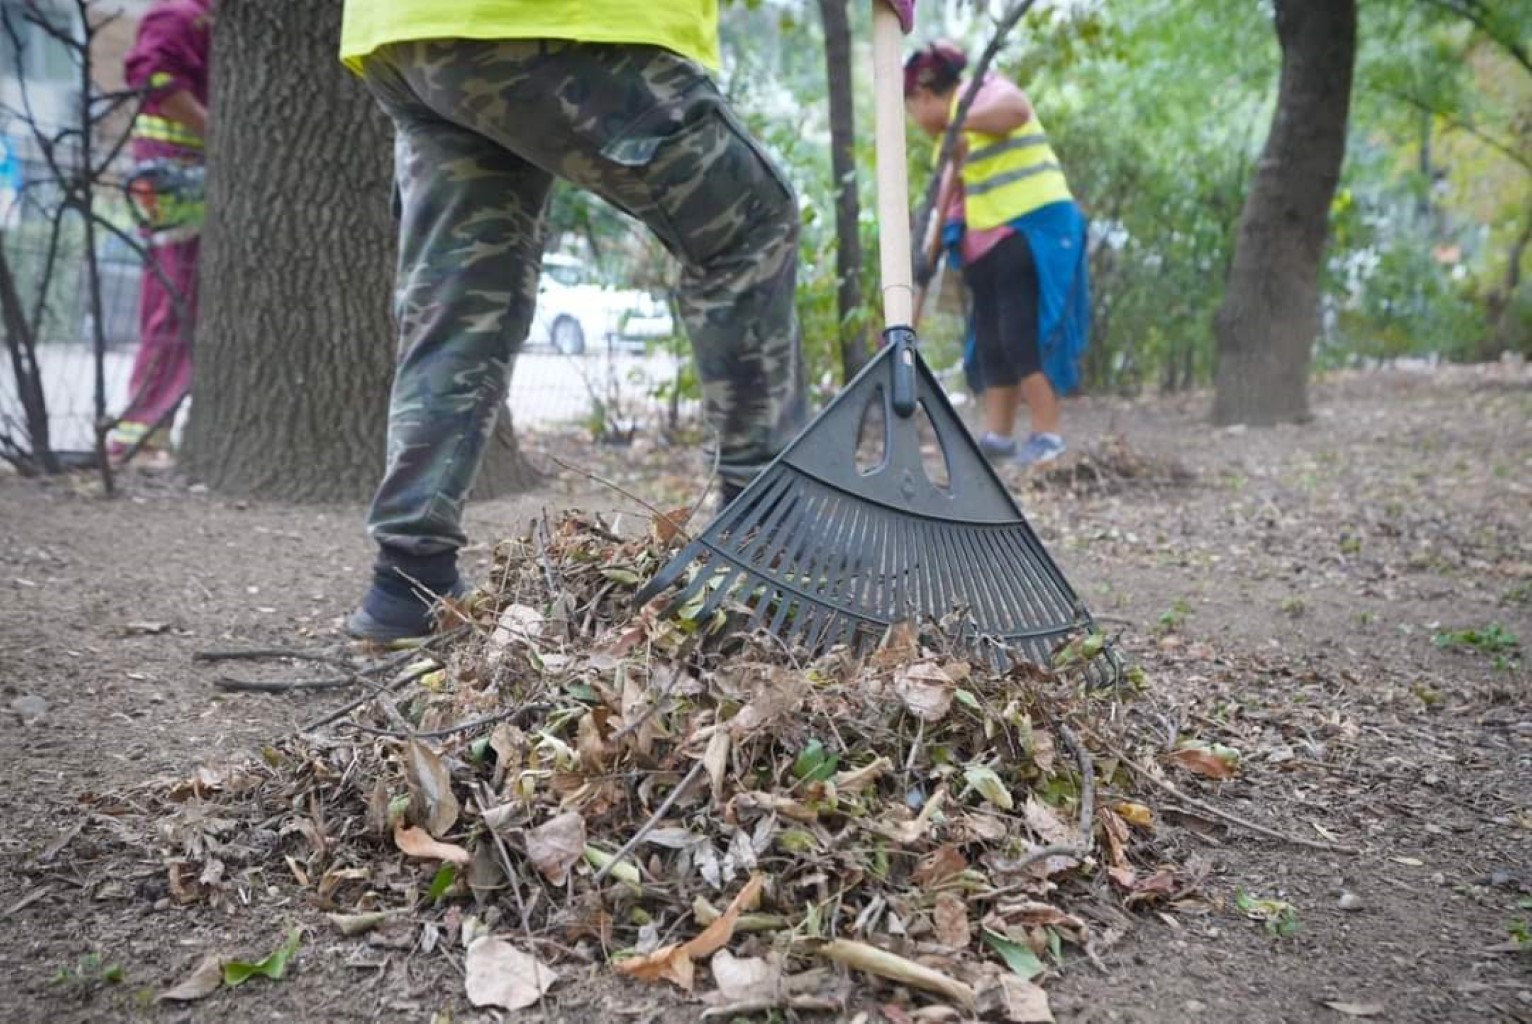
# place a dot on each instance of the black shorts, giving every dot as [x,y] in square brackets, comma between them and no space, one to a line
[1005,310]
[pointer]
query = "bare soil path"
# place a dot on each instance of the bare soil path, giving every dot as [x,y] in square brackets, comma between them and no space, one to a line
[1320,597]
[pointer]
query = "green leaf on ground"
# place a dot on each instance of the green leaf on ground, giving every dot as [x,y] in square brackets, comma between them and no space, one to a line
[1279,917]
[237,972]
[1017,956]
[815,763]
[1491,639]
[988,784]
[445,876]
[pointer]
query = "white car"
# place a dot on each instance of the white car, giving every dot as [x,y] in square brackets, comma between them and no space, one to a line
[574,313]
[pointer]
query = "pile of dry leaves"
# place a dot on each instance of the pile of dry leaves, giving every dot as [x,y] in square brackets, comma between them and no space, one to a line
[561,779]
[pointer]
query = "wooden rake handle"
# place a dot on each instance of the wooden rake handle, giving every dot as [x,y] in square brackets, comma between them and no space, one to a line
[893,172]
[893,206]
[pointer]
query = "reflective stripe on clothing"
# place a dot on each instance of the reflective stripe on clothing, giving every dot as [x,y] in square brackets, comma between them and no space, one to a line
[1006,145]
[163,129]
[1007,177]
[686,27]
[1001,180]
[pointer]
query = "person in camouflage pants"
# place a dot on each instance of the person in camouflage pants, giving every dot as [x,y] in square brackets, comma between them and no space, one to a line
[483,128]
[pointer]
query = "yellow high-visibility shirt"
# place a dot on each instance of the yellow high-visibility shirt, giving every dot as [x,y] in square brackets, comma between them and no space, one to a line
[686,27]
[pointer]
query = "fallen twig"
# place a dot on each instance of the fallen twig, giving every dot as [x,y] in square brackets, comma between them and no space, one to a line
[604,482]
[451,730]
[1087,785]
[753,1006]
[268,653]
[654,819]
[512,879]
[1222,815]
[232,685]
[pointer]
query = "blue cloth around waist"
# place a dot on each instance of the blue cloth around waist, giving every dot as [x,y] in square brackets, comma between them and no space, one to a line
[1057,236]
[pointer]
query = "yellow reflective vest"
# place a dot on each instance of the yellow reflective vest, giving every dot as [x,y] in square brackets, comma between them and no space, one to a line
[1007,176]
[687,27]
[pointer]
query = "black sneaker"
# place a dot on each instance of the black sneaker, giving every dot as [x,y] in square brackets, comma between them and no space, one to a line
[404,598]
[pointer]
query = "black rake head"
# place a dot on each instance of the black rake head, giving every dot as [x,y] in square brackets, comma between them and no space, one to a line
[830,546]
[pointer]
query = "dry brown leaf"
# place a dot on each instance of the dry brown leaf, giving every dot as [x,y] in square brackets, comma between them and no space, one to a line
[673,963]
[202,981]
[717,935]
[1201,762]
[557,845]
[1147,890]
[926,690]
[1022,1002]
[1035,914]
[774,692]
[1052,829]
[668,963]
[357,924]
[594,752]
[377,809]
[858,779]
[416,842]
[636,702]
[1042,750]
[506,741]
[432,803]
[518,623]
[716,760]
[950,920]
[938,866]
[740,978]
[1135,814]
[499,974]
[1351,1009]
[872,960]
[783,805]
[664,527]
[900,646]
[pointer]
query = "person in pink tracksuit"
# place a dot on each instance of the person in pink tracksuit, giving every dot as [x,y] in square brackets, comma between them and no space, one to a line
[169,62]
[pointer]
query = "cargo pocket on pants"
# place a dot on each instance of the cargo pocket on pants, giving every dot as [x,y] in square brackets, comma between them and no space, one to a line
[707,180]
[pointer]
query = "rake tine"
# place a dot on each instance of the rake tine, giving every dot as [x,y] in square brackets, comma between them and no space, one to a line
[994,610]
[966,572]
[803,622]
[1033,588]
[758,536]
[721,594]
[999,587]
[842,560]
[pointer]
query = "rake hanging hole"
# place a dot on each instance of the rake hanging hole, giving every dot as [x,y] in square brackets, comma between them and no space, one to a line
[872,435]
[933,454]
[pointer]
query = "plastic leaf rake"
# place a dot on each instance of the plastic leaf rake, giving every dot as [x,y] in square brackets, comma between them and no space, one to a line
[824,548]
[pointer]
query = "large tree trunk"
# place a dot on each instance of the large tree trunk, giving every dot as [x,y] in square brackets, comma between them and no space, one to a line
[1270,314]
[848,248]
[295,341]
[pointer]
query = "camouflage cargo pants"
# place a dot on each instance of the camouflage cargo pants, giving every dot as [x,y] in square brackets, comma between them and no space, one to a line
[482,130]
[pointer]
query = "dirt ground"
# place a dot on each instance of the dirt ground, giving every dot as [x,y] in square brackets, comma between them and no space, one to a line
[1292,592]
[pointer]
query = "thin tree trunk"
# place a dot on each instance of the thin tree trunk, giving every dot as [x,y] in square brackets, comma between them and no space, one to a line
[854,351]
[295,343]
[1266,326]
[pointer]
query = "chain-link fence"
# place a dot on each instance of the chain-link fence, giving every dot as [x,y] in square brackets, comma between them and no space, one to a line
[614,386]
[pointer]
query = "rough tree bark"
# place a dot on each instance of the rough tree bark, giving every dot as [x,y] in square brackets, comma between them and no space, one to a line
[295,340]
[854,350]
[1266,327]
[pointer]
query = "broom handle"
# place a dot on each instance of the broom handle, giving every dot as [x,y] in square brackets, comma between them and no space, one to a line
[893,170]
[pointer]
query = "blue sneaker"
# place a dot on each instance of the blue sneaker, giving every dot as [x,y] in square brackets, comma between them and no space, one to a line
[1040,448]
[997,448]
